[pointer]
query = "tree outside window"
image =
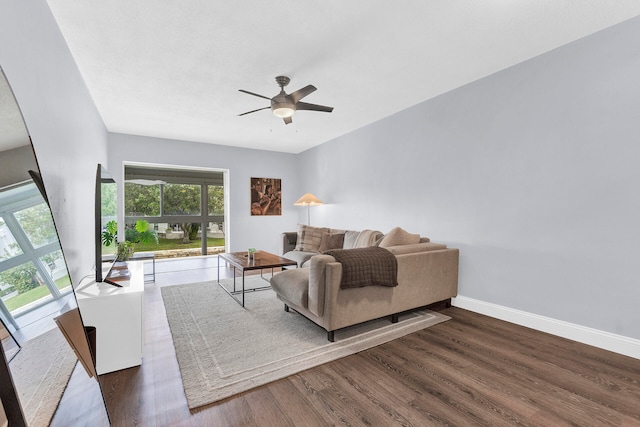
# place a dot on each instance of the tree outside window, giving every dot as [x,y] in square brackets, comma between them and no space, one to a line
[8,245]
[216,199]
[141,200]
[37,224]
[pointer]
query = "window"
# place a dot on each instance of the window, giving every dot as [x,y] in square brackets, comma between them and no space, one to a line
[141,200]
[8,245]
[185,207]
[215,199]
[182,199]
[37,224]
[32,268]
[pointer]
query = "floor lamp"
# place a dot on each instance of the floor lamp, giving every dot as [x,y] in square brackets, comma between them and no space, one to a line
[307,200]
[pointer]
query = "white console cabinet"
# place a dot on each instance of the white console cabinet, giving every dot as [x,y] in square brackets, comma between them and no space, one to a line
[117,314]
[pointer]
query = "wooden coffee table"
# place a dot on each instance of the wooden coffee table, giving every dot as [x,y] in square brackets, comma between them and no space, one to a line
[240,261]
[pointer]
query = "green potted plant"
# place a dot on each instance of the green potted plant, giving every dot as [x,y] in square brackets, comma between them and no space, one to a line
[140,233]
[110,233]
[125,251]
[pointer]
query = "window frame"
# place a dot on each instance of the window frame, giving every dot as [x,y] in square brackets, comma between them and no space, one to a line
[177,175]
[9,206]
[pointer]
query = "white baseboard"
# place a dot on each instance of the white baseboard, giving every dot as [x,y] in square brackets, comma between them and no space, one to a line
[605,340]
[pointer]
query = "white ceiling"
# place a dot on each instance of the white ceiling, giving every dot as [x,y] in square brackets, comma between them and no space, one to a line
[172,69]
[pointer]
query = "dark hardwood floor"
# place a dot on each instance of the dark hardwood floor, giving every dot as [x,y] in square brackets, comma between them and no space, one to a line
[471,370]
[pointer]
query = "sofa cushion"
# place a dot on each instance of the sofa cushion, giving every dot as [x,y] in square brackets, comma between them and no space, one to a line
[331,241]
[292,286]
[299,256]
[309,238]
[398,236]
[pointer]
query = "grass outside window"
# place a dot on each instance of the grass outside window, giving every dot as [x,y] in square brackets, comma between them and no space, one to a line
[176,244]
[34,294]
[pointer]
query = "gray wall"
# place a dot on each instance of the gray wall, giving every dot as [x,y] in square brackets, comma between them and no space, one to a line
[246,231]
[68,135]
[532,172]
[15,165]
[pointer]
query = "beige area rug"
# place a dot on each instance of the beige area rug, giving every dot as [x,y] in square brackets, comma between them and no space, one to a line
[41,372]
[224,349]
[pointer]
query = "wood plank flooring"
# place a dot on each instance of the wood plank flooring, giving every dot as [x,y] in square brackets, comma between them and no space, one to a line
[471,370]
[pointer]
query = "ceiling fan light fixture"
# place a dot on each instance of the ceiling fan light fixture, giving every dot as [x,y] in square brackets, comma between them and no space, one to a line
[283,110]
[284,105]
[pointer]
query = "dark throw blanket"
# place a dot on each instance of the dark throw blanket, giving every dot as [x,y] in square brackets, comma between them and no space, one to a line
[371,266]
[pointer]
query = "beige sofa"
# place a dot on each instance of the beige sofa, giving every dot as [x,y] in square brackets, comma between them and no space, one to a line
[427,273]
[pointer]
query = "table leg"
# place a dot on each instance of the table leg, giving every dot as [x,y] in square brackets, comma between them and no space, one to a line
[234,278]
[264,278]
[231,294]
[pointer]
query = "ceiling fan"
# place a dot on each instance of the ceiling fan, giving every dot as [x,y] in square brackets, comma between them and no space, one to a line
[284,105]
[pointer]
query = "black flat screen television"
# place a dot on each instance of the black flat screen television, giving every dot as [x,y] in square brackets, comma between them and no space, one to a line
[105,210]
[37,180]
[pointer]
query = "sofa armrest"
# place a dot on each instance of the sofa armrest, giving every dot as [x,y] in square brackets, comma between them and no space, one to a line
[317,282]
[433,274]
[288,241]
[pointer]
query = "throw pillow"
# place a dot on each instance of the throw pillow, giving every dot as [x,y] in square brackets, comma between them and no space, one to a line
[309,238]
[367,238]
[331,241]
[350,237]
[398,236]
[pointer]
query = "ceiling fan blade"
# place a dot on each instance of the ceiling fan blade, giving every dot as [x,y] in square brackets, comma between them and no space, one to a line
[287,120]
[254,94]
[253,111]
[313,107]
[301,93]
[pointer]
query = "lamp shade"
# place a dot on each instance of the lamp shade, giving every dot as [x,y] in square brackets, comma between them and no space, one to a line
[308,199]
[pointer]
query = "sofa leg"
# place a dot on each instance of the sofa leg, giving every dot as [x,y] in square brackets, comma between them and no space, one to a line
[394,318]
[447,303]
[286,308]
[330,336]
